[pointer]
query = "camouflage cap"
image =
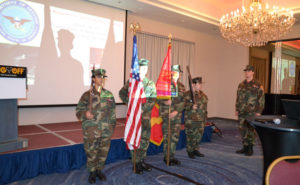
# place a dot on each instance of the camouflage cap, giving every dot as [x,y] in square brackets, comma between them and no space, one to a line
[197,80]
[249,68]
[143,62]
[176,68]
[99,73]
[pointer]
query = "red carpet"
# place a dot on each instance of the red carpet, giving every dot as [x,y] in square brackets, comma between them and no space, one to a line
[63,126]
[29,129]
[73,135]
[59,134]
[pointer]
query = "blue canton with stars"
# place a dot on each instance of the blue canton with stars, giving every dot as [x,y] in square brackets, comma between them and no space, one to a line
[135,65]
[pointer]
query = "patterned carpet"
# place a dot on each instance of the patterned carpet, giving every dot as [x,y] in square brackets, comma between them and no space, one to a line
[220,166]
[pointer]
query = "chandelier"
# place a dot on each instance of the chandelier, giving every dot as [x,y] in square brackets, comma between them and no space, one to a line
[256,24]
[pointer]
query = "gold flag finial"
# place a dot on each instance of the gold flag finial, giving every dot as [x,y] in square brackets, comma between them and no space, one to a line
[135,27]
[170,37]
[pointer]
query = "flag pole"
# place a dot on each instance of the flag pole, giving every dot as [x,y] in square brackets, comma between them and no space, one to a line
[134,28]
[169,124]
[134,159]
[169,137]
[134,150]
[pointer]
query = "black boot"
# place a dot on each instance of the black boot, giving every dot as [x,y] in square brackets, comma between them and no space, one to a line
[170,162]
[92,177]
[197,153]
[175,161]
[101,176]
[243,150]
[249,151]
[191,155]
[138,168]
[146,167]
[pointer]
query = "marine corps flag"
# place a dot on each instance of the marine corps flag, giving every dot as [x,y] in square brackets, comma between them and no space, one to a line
[156,136]
[163,89]
[163,84]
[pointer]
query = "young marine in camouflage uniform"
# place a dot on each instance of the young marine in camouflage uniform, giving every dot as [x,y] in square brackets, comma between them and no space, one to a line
[150,93]
[177,106]
[250,102]
[195,118]
[97,125]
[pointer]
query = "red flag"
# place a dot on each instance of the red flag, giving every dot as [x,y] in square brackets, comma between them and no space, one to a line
[156,136]
[163,84]
[132,133]
[163,89]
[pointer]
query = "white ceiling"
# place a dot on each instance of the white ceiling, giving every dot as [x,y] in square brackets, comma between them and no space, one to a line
[199,15]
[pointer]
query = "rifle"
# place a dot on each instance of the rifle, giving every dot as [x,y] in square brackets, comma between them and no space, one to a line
[91,94]
[190,84]
[215,128]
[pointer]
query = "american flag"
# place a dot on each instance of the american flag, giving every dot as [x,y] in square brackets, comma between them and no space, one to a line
[132,134]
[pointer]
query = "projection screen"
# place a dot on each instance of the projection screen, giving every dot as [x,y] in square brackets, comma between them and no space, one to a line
[59,42]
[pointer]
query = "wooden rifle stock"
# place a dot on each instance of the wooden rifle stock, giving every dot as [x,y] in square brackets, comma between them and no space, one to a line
[91,99]
[190,84]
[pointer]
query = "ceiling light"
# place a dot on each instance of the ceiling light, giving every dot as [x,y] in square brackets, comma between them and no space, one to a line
[256,24]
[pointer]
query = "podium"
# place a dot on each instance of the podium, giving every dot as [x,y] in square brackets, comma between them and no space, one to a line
[13,86]
[277,141]
[281,139]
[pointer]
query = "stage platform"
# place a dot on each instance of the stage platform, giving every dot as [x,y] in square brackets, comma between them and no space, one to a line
[58,148]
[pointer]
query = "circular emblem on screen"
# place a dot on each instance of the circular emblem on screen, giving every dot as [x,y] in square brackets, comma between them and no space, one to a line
[19,22]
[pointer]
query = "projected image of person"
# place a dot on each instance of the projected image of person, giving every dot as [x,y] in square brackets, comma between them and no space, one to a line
[57,63]
[62,67]
[112,45]
[67,64]
[287,83]
[96,110]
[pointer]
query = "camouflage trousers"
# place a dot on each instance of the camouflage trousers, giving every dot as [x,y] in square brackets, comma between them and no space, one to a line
[96,144]
[194,132]
[141,152]
[247,132]
[175,133]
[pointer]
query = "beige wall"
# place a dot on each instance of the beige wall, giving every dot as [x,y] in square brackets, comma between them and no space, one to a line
[231,73]
[218,62]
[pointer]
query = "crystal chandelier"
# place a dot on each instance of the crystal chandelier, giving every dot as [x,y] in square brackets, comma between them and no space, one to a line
[256,24]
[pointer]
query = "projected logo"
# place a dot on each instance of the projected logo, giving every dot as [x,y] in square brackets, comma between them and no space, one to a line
[19,22]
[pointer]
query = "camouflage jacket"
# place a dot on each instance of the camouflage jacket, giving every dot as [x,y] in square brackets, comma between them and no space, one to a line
[250,98]
[149,90]
[103,108]
[200,114]
[177,100]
